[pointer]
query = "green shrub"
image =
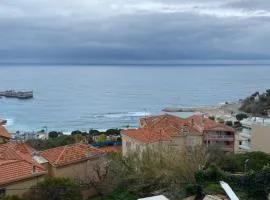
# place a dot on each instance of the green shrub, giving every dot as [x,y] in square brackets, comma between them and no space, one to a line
[213,189]
[193,189]
[118,194]
[236,162]
[212,174]
[55,189]
[229,123]
[241,116]
[7,197]
[212,118]
[257,184]
[62,140]
[220,120]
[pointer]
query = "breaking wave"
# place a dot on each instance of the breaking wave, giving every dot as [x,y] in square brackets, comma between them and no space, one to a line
[123,114]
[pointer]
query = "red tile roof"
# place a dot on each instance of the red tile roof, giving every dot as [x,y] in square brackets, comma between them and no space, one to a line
[165,127]
[15,165]
[170,124]
[147,135]
[204,124]
[4,133]
[111,149]
[70,153]
[21,147]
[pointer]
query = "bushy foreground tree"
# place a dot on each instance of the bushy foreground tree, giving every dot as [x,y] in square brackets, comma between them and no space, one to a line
[154,172]
[55,189]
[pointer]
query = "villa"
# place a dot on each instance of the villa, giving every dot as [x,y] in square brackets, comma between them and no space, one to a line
[79,162]
[17,169]
[178,134]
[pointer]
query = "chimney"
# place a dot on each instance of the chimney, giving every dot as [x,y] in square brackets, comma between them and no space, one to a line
[192,122]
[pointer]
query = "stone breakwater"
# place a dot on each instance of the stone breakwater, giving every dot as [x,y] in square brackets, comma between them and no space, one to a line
[17,94]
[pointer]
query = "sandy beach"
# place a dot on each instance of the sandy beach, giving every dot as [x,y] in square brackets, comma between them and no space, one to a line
[224,111]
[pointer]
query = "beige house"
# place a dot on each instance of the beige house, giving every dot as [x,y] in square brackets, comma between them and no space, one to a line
[80,162]
[21,167]
[18,171]
[260,138]
[177,134]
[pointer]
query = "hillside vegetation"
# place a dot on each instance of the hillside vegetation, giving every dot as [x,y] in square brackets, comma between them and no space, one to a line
[257,104]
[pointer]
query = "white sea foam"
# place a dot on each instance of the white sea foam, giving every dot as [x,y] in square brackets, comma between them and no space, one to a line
[123,115]
[10,122]
[126,114]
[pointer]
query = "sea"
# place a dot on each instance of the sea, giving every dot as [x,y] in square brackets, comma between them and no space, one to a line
[68,98]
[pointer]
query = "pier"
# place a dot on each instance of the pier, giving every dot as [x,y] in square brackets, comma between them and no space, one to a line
[17,94]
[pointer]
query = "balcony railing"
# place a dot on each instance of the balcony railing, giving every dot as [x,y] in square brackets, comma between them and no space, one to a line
[229,138]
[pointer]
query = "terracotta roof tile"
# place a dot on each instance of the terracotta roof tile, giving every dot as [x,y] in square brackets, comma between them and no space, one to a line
[4,133]
[205,124]
[170,124]
[21,147]
[165,127]
[70,153]
[15,165]
[147,135]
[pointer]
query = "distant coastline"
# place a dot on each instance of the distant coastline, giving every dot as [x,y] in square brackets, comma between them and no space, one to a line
[223,110]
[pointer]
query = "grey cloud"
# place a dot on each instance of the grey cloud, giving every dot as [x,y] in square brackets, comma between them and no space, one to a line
[68,31]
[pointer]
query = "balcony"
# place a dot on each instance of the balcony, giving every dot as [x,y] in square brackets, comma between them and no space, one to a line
[229,138]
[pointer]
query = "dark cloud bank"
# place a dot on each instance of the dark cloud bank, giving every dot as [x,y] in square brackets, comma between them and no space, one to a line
[82,31]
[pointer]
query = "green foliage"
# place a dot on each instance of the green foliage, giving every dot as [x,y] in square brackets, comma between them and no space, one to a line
[54,134]
[94,132]
[101,138]
[7,197]
[113,132]
[213,188]
[39,144]
[220,120]
[212,118]
[194,189]
[55,189]
[139,173]
[241,116]
[118,194]
[257,107]
[236,162]
[257,184]
[212,174]
[229,123]
[180,176]
[237,125]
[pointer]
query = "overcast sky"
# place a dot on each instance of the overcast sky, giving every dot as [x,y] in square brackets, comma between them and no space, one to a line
[122,30]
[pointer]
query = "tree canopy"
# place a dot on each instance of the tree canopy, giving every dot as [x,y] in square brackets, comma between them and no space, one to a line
[55,189]
[257,104]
